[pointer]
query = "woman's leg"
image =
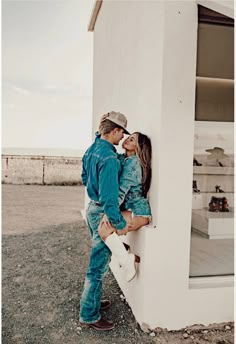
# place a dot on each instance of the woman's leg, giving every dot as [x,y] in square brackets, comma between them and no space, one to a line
[136,221]
[113,242]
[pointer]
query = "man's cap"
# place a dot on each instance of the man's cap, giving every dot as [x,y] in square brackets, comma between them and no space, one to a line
[118,118]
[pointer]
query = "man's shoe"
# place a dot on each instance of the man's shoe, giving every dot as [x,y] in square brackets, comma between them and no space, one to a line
[100,325]
[105,304]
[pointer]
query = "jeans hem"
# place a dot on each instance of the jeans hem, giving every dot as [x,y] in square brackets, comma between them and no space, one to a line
[89,322]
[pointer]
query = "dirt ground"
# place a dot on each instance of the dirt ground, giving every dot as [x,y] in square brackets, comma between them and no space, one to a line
[45,252]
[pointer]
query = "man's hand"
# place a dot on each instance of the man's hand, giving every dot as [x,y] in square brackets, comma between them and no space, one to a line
[110,228]
[125,230]
[107,224]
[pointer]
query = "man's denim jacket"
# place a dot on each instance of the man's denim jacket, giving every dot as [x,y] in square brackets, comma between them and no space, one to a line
[100,174]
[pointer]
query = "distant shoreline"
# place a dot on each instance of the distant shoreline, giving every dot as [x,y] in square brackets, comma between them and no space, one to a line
[60,152]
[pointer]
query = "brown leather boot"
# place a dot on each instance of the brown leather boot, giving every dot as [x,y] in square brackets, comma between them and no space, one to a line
[105,304]
[100,325]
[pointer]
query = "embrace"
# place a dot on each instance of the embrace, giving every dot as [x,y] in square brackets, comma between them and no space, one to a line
[117,185]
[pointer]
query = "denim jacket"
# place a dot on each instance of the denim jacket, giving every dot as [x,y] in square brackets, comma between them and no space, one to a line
[130,183]
[100,174]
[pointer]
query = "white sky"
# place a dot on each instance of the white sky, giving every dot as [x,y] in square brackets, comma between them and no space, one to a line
[47,56]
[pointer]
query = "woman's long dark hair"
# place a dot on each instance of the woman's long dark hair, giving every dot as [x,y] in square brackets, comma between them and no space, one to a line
[144,153]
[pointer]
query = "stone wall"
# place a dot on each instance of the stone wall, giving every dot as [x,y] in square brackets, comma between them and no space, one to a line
[19,169]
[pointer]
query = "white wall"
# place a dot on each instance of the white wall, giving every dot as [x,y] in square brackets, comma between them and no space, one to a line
[128,45]
[145,67]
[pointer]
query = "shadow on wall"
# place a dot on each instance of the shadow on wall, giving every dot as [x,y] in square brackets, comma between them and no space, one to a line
[41,170]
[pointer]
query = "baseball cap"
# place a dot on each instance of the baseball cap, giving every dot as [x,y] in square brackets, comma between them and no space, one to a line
[118,118]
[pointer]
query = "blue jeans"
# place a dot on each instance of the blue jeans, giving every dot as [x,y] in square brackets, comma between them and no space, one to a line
[100,255]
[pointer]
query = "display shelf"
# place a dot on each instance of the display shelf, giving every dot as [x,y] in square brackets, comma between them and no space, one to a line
[210,134]
[206,197]
[209,224]
[213,225]
[213,170]
[214,81]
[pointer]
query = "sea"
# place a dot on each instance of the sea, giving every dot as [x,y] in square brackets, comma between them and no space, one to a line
[60,152]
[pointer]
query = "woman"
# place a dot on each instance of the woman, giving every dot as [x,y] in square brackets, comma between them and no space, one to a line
[134,184]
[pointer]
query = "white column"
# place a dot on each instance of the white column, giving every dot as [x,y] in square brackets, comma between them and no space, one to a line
[148,72]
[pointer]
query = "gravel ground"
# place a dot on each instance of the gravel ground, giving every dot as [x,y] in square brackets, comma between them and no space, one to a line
[43,270]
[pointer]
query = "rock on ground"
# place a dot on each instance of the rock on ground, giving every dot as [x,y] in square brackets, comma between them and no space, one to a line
[43,268]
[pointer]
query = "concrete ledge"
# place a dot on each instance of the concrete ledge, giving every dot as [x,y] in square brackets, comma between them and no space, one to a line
[18,169]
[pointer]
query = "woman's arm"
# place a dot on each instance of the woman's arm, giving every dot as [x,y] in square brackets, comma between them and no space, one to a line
[131,175]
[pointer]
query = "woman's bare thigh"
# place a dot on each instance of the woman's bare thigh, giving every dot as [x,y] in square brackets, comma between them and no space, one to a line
[136,221]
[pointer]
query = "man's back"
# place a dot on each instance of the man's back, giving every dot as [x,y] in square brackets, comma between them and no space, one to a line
[100,174]
[94,159]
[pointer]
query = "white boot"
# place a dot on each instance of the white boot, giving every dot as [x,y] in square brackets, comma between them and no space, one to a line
[125,259]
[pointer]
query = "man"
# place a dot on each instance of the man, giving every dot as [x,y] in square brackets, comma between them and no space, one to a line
[100,174]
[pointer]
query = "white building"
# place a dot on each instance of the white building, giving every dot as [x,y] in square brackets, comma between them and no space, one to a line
[147,62]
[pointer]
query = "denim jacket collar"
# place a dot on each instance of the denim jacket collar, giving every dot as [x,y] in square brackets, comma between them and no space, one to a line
[104,142]
[134,156]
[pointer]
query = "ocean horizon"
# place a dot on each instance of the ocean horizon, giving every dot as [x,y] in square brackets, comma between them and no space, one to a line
[62,152]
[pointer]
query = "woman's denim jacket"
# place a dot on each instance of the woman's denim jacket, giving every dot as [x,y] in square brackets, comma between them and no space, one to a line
[130,182]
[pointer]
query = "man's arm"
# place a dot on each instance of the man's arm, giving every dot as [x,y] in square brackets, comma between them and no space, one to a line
[84,173]
[109,192]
